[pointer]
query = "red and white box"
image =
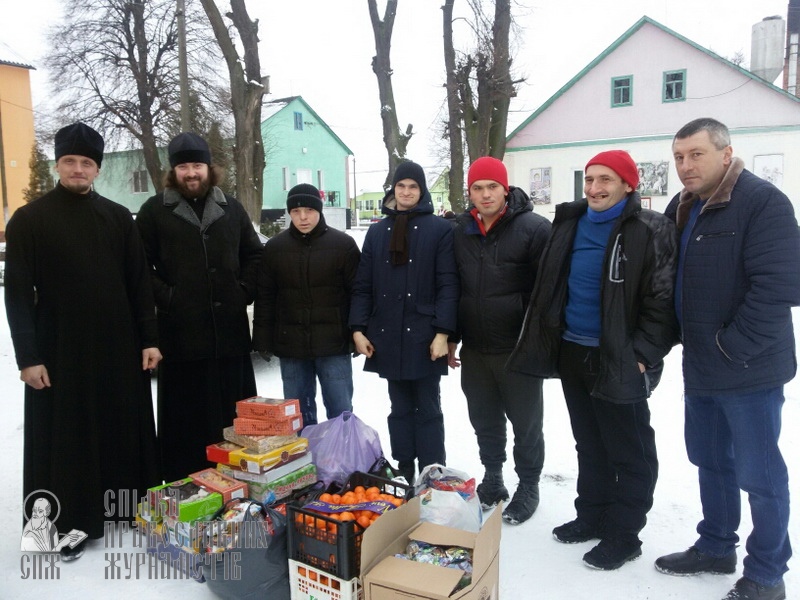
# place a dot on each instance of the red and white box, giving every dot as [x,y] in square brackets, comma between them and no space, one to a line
[258,407]
[282,426]
[213,480]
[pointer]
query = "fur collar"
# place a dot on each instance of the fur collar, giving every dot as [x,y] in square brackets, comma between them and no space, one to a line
[721,196]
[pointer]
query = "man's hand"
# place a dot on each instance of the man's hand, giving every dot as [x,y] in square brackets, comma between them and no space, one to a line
[642,368]
[439,346]
[35,376]
[150,358]
[363,345]
[452,360]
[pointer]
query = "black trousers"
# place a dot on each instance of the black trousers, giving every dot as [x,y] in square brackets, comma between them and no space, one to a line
[494,395]
[416,423]
[617,462]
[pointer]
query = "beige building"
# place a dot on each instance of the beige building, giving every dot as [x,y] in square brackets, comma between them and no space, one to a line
[16,135]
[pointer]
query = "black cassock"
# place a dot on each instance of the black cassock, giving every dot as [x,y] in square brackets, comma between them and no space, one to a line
[79,301]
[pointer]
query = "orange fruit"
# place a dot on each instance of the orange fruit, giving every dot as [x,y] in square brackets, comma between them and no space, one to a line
[364,521]
[336,499]
[346,516]
[326,497]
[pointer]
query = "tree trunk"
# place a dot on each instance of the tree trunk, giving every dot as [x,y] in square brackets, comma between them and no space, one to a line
[504,86]
[395,141]
[247,90]
[456,173]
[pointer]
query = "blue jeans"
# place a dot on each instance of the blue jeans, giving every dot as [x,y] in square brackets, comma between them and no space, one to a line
[733,440]
[335,375]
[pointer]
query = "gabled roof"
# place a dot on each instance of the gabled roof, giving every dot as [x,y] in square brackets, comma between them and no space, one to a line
[273,107]
[619,41]
[9,63]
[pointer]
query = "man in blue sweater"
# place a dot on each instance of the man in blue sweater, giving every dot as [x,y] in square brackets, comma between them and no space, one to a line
[737,281]
[601,318]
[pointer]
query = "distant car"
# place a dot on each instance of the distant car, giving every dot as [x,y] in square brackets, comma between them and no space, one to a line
[375,219]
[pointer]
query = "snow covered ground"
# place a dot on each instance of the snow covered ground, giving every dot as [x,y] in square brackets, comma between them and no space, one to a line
[532,563]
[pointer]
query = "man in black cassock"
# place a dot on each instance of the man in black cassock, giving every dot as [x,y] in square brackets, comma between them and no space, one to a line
[82,319]
[204,254]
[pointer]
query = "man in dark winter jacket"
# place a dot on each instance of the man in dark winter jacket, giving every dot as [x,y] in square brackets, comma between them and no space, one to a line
[737,281]
[305,279]
[497,247]
[601,318]
[403,309]
[203,251]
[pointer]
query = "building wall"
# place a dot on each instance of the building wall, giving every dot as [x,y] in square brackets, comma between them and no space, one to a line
[312,149]
[775,149]
[16,112]
[118,182]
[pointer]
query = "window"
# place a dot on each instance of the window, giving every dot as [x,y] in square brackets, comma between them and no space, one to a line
[285,173]
[674,86]
[577,184]
[621,91]
[320,179]
[298,121]
[140,179]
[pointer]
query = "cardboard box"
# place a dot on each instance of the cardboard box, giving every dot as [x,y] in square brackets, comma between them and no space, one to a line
[214,481]
[282,426]
[257,443]
[267,408]
[280,488]
[221,452]
[253,462]
[386,577]
[269,476]
[185,503]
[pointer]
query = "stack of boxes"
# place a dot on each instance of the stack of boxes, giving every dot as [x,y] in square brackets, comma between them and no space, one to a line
[262,448]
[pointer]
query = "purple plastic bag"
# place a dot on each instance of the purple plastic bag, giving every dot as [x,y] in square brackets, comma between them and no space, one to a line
[341,446]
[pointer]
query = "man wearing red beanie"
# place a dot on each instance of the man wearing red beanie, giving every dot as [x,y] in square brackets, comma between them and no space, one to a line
[601,318]
[497,247]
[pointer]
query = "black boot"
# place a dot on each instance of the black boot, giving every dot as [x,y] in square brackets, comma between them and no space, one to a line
[492,490]
[406,469]
[523,504]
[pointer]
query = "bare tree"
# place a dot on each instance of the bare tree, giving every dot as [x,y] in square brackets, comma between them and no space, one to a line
[483,79]
[396,142]
[247,90]
[454,114]
[114,65]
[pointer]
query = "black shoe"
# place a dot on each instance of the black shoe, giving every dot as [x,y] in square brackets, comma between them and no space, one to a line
[523,504]
[407,470]
[747,589]
[69,554]
[492,490]
[575,532]
[611,553]
[693,562]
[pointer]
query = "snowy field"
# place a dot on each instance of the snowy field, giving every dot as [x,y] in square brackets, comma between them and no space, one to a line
[532,563]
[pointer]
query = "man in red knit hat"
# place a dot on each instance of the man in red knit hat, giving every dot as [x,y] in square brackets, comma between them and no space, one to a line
[497,246]
[601,318]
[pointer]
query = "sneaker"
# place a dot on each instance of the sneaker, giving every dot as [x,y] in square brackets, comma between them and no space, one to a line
[693,562]
[523,504]
[69,554]
[611,553]
[491,490]
[575,532]
[747,589]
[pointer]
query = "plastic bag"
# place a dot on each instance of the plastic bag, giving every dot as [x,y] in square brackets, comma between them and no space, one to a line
[341,446]
[254,564]
[446,479]
[450,509]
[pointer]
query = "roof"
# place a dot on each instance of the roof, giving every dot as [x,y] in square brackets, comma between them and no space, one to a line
[619,41]
[10,63]
[273,107]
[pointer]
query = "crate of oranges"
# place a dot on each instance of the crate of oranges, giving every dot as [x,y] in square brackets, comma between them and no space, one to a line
[325,530]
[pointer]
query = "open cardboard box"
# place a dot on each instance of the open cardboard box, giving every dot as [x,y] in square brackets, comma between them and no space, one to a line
[386,577]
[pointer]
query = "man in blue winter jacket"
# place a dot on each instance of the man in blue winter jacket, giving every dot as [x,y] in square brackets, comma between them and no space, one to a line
[737,281]
[403,308]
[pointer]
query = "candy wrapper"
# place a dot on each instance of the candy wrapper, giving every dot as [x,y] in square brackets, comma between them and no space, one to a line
[451,557]
[446,479]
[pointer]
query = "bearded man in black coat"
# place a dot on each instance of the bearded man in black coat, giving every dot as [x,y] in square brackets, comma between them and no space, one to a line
[204,251]
[80,309]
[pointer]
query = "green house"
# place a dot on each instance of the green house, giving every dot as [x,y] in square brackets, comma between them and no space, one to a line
[299,148]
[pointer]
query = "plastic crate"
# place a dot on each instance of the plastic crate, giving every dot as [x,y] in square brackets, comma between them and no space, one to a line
[309,583]
[336,548]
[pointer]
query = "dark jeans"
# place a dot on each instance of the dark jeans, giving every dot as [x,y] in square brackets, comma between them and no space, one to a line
[617,463]
[416,423]
[335,374]
[494,394]
[733,440]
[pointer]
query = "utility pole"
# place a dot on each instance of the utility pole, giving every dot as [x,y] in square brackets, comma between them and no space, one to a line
[183,70]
